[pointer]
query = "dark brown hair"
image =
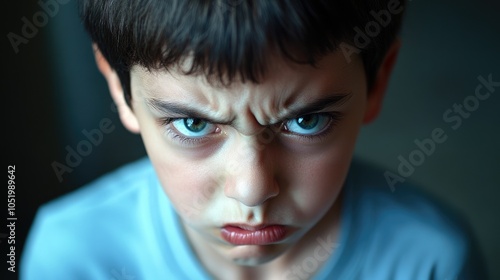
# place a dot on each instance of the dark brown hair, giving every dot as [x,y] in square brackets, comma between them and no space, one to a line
[233,38]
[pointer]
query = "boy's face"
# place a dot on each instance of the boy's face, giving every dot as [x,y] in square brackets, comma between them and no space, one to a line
[251,168]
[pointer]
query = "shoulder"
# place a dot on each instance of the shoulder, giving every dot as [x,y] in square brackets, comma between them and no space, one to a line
[104,191]
[409,228]
[108,197]
[408,204]
[91,224]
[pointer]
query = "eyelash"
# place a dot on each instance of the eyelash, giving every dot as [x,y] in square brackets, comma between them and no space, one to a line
[334,119]
[165,123]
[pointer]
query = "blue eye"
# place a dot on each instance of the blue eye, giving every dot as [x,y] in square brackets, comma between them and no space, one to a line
[193,128]
[311,124]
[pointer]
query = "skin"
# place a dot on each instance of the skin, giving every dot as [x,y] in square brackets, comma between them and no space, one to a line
[254,165]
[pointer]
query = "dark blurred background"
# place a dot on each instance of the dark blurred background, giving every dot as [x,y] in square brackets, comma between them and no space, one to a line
[55,96]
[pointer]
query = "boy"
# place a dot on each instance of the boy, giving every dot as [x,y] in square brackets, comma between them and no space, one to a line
[249,112]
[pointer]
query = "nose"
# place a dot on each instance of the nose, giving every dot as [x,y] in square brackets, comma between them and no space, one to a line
[251,174]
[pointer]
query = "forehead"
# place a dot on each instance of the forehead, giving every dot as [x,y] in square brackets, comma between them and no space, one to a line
[284,85]
[278,69]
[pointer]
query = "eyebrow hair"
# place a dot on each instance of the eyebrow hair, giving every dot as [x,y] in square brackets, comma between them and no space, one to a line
[318,105]
[185,111]
[169,108]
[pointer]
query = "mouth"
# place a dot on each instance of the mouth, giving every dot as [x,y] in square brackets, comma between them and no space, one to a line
[240,234]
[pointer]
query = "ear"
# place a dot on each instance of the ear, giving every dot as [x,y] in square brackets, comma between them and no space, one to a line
[127,116]
[379,87]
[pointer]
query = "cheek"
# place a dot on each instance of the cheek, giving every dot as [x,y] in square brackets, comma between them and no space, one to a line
[315,181]
[188,184]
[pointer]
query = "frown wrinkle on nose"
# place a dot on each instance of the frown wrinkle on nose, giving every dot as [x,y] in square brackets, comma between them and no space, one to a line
[251,179]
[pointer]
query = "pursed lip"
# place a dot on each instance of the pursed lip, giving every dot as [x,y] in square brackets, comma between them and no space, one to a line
[243,234]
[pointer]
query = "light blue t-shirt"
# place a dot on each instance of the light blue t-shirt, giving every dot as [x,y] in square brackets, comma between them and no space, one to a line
[123,227]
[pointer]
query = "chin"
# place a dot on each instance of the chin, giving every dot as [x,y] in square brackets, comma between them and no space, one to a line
[255,255]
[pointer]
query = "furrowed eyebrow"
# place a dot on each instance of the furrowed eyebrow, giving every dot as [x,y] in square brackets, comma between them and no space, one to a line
[318,105]
[181,111]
